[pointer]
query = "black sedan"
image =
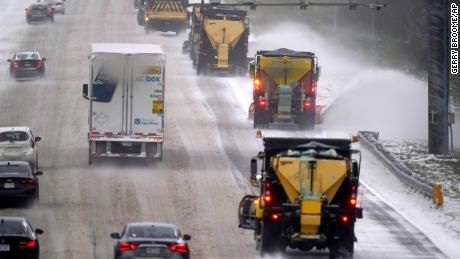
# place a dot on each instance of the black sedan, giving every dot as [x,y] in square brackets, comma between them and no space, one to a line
[27,64]
[151,240]
[39,12]
[18,179]
[18,240]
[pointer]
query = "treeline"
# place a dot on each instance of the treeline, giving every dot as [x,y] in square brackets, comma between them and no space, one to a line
[398,33]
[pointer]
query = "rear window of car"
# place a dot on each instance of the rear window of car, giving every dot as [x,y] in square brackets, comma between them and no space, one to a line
[13,136]
[152,232]
[12,228]
[39,7]
[14,169]
[27,56]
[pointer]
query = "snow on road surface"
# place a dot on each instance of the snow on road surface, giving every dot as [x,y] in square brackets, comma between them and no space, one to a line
[208,145]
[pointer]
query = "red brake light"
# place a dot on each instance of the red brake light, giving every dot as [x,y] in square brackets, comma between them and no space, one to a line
[344,219]
[353,201]
[28,181]
[267,197]
[15,64]
[27,244]
[353,188]
[313,89]
[180,248]
[306,104]
[262,102]
[128,247]
[276,217]
[40,64]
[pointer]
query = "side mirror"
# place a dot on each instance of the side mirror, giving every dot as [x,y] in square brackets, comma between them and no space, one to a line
[355,168]
[39,231]
[187,237]
[318,73]
[44,59]
[115,236]
[38,173]
[252,69]
[9,60]
[85,91]
[37,139]
[254,180]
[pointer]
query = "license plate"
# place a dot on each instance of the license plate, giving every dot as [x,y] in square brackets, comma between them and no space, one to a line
[4,247]
[12,150]
[152,250]
[9,185]
[27,65]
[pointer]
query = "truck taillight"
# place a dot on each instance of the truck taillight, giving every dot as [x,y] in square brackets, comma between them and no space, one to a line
[257,84]
[267,197]
[313,89]
[307,104]
[276,217]
[262,102]
[344,219]
[353,201]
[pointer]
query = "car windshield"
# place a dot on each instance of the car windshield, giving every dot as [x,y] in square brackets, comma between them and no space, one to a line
[14,169]
[12,228]
[152,232]
[10,136]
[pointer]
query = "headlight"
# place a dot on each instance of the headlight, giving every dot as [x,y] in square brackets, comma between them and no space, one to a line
[146,19]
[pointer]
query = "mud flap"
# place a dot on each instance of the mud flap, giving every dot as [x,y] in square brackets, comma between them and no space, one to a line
[251,111]
[247,212]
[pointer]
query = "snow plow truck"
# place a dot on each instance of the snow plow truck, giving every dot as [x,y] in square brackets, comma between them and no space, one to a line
[218,41]
[308,196]
[285,85]
[163,15]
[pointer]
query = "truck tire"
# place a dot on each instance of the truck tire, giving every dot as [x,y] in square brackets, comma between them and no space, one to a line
[140,17]
[90,158]
[270,241]
[200,67]
[343,248]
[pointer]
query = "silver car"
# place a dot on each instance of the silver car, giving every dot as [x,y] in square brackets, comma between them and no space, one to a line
[58,6]
[18,144]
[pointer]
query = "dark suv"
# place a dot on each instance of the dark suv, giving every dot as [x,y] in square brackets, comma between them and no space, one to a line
[39,12]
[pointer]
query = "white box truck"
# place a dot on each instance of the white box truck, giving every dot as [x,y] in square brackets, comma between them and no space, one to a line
[126,100]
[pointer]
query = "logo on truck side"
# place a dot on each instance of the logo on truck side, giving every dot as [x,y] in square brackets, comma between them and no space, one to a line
[149,79]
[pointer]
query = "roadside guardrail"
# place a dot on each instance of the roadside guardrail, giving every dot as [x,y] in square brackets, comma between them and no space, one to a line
[433,190]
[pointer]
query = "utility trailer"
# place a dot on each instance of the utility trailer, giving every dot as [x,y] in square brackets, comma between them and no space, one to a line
[125,100]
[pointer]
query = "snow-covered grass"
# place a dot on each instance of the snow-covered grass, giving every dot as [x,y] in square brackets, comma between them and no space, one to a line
[444,170]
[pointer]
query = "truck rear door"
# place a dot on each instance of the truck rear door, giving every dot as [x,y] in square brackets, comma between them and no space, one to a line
[146,94]
[107,93]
